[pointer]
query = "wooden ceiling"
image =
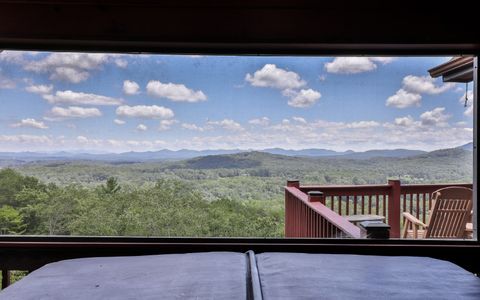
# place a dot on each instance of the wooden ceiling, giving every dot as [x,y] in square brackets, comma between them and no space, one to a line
[246,26]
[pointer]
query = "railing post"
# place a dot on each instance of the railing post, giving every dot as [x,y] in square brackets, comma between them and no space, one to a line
[5,279]
[316,196]
[290,218]
[394,208]
[293,183]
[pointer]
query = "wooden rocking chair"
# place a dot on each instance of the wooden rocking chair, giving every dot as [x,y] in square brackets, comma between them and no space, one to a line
[450,211]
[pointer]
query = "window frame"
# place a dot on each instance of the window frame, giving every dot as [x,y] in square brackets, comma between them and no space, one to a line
[30,252]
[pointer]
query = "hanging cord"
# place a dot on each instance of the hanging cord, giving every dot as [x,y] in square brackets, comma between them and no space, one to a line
[466,94]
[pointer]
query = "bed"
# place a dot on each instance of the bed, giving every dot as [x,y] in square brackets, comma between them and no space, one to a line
[231,275]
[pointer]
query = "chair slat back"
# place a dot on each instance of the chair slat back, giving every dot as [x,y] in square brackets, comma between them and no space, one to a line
[451,208]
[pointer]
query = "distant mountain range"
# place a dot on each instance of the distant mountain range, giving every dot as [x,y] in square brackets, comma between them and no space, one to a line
[187,154]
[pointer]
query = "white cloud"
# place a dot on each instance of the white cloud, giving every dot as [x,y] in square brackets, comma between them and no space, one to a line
[424,85]
[404,121]
[69,74]
[78,98]
[435,117]
[13,57]
[302,98]
[404,99]
[299,120]
[227,124]
[29,122]
[263,121]
[25,139]
[174,92]
[60,113]
[144,111]
[469,109]
[70,67]
[166,124]
[271,76]
[130,87]
[41,89]
[142,127]
[6,83]
[383,60]
[119,122]
[193,127]
[121,63]
[350,65]
[82,139]
[362,124]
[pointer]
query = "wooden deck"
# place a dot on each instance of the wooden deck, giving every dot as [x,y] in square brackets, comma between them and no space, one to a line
[387,200]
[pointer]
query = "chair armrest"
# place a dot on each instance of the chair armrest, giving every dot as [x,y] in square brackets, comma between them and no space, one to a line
[414,220]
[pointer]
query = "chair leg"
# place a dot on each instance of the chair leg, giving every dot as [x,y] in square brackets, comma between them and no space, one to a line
[406,225]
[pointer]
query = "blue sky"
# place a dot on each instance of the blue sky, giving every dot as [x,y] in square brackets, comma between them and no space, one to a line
[117,102]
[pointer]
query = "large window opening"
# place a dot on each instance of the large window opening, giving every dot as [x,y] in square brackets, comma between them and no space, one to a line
[98,144]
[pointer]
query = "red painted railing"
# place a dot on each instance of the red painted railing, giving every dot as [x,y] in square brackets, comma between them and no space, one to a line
[388,200]
[306,217]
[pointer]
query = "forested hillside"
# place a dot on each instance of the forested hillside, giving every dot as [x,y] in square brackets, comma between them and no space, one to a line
[221,195]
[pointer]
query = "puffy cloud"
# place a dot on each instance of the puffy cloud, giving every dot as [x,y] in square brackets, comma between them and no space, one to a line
[142,127]
[41,89]
[69,74]
[299,120]
[355,65]
[29,122]
[70,67]
[350,65]
[424,85]
[302,98]
[119,122]
[271,76]
[166,124]
[13,57]
[60,113]
[75,98]
[413,87]
[174,92]
[227,124]
[193,127]
[121,63]
[145,111]
[130,87]
[263,121]
[404,121]
[435,117]
[404,99]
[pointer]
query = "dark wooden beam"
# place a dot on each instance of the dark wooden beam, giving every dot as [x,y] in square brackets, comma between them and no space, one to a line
[248,26]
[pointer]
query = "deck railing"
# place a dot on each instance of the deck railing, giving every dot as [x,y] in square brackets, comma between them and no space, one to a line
[388,200]
[306,216]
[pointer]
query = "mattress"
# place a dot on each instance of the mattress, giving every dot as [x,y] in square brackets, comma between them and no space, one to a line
[340,276]
[213,275]
[230,275]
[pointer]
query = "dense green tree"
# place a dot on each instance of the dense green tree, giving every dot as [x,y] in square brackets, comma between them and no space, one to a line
[11,221]
[112,186]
